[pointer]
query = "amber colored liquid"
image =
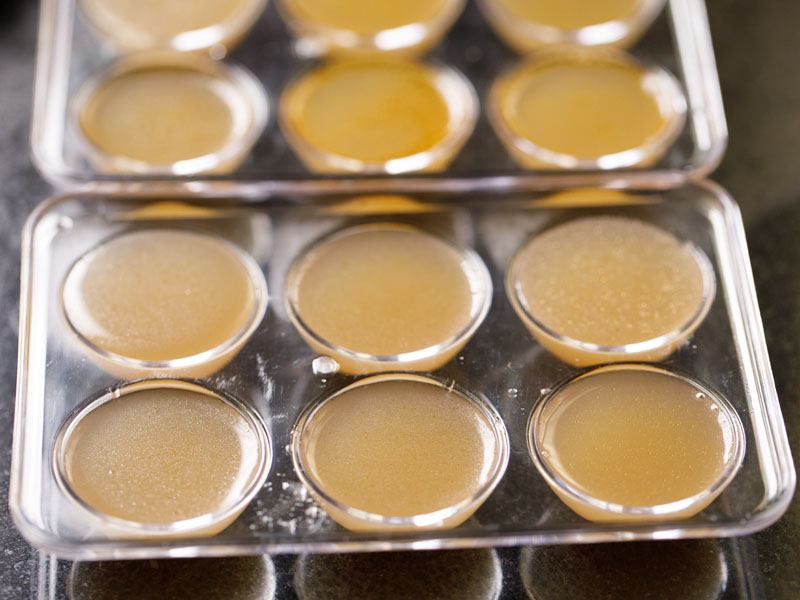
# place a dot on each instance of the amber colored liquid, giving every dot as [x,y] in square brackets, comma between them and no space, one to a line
[166,18]
[159,295]
[381,204]
[161,455]
[589,197]
[635,437]
[399,448]
[609,281]
[367,16]
[159,116]
[372,111]
[582,110]
[570,14]
[384,291]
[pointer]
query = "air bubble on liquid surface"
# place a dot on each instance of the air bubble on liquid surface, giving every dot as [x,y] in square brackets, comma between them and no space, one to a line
[324,365]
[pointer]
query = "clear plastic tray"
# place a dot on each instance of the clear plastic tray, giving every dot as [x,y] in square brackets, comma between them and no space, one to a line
[274,372]
[70,52]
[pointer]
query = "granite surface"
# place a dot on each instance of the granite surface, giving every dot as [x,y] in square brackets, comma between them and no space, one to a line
[759,64]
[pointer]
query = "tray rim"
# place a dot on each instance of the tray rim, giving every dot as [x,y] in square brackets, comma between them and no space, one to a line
[758,372]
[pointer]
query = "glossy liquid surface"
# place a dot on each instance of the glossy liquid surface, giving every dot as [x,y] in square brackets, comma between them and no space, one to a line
[372,111]
[159,295]
[160,115]
[161,455]
[582,110]
[399,448]
[166,18]
[367,16]
[384,291]
[609,281]
[635,437]
[570,14]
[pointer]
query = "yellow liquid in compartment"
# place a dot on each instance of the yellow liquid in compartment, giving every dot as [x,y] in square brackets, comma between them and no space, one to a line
[159,115]
[368,16]
[384,291]
[609,281]
[581,110]
[161,455]
[381,204]
[636,438]
[399,448]
[159,295]
[166,18]
[570,14]
[372,111]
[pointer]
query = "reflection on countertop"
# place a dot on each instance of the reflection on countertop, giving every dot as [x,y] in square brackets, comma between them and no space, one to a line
[460,575]
[237,578]
[691,570]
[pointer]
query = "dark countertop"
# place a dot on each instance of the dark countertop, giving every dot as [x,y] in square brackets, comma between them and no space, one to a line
[759,64]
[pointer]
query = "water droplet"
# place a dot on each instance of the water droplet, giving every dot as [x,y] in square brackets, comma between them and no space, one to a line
[512,392]
[460,360]
[217,51]
[324,365]
[545,454]
[545,391]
